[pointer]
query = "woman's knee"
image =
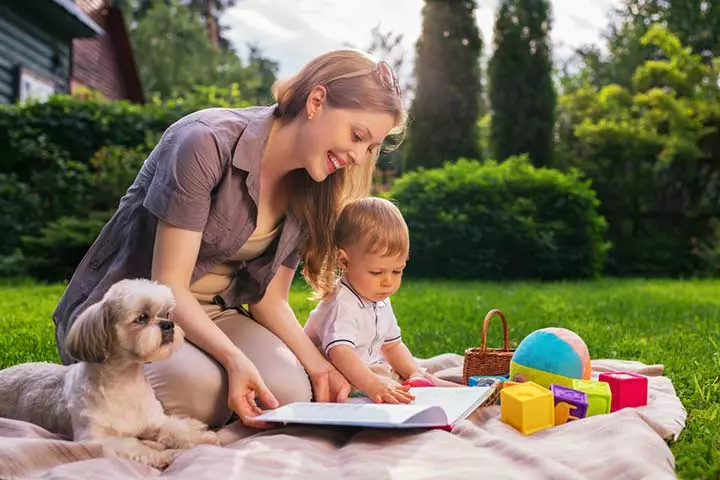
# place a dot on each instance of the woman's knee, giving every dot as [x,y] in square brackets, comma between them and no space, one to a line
[191,384]
[278,366]
[289,383]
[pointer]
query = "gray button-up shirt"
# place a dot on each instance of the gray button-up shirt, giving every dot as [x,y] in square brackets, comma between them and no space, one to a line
[203,176]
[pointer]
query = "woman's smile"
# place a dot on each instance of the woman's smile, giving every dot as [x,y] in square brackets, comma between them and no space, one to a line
[334,162]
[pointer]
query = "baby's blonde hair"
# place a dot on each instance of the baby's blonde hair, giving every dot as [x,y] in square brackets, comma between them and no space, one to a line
[351,82]
[376,224]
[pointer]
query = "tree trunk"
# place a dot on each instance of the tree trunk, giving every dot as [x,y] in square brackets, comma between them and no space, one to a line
[211,23]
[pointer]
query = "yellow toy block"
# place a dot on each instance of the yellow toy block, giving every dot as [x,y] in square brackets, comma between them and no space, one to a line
[599,396]
[528,407]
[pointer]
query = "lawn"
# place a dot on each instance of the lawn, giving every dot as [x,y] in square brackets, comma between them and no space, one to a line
[676,323]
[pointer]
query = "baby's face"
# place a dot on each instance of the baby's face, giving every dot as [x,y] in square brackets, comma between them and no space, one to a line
[374,276]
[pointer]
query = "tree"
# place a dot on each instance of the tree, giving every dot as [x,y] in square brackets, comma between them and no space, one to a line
[209,10]
[651,151]
[388,46]
[445,108]
[522,94]
[696,23]
[175,56]
[261,73]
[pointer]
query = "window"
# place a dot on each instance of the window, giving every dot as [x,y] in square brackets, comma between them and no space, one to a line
[33,87]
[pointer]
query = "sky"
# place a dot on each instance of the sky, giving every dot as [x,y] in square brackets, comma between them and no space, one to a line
[292,32]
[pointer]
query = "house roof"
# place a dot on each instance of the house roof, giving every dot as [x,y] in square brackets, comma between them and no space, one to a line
[106,63]
[73,18]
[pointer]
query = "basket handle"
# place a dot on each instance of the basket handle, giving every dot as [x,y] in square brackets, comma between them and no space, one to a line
[489,315]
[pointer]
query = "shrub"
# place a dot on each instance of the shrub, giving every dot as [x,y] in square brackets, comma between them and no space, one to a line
[501,221]
[54,254]
[32,134]
[54,154]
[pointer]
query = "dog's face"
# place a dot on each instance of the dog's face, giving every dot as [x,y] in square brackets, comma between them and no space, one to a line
[131,322]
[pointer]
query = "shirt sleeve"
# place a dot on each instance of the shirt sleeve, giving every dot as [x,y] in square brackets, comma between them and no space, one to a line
[339,327]
[188,166]
[293,260]
[392,334]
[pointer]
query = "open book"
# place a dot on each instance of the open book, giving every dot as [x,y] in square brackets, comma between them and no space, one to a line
[433,407]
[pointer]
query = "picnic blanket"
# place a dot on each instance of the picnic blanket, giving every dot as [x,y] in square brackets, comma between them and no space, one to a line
[628,444]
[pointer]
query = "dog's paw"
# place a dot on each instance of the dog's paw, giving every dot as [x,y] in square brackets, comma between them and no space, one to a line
[209,437]
[188,438]
[137,451]
[184,433]
[159,459]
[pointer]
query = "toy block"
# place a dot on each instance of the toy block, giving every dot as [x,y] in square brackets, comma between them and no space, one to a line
[576,401]
[510,383]
[485,381]
[598,393]
[628,389]
[528,407]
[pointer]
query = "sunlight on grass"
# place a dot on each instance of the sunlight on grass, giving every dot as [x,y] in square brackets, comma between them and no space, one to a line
[674,323]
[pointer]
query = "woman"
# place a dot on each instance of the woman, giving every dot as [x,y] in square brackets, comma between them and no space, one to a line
[224,209]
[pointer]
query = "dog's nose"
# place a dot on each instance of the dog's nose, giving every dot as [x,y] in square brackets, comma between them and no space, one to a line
[166,324]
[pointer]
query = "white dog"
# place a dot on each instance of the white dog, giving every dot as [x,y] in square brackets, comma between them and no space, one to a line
[105,397]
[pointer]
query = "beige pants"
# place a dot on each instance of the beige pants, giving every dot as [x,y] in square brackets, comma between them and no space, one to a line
[191,383]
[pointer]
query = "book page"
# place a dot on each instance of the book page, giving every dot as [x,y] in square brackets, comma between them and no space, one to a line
[361,414]
[432,407]
[457,402]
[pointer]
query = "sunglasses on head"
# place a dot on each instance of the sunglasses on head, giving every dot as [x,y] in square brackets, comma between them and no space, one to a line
[384,72]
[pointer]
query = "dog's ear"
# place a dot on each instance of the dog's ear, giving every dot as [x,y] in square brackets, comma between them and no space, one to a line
[90,337]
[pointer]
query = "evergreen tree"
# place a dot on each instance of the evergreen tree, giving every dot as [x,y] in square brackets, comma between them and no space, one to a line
[445,109]
[522,95]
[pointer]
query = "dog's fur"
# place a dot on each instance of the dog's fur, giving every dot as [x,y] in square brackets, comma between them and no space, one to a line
[105,397]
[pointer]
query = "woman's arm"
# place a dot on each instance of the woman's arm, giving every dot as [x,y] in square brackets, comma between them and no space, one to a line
[273,312]
[174,257]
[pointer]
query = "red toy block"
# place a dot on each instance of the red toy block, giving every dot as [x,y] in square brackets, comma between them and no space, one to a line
[628,389]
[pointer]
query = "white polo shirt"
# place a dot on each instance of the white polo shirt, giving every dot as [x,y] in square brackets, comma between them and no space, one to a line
[346,318]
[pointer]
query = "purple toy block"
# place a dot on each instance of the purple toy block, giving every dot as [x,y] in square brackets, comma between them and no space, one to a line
[572,397]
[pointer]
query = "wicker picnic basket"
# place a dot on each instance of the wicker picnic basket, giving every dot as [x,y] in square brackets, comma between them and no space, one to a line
[488,361]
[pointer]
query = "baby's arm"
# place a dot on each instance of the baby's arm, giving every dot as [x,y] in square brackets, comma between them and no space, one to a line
[376,388]
[401,360]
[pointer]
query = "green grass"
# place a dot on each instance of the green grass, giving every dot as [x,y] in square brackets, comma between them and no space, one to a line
[675,323]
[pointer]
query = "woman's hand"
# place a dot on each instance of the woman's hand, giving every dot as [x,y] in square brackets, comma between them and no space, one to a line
[329,385]
[245,386]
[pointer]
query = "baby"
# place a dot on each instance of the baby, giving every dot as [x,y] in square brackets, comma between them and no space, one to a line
[354,325]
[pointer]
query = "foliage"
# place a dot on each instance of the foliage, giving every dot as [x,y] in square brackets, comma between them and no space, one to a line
[174,54]
[522,94]
[696,23]
[447,93]
[50,168]
[500,221]
[651,152]
[56,251]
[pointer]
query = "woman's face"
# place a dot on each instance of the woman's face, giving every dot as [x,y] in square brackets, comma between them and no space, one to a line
[335,138]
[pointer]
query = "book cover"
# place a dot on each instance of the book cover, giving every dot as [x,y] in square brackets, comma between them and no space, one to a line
[433,407]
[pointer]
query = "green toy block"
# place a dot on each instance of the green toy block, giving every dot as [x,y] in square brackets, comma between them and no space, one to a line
[599,396]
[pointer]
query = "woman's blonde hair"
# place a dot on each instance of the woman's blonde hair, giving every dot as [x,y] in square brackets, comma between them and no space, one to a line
[351,80]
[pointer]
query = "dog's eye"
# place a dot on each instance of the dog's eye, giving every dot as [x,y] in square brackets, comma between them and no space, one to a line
[143,318]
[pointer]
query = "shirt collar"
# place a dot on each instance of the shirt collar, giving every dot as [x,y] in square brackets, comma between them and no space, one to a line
[251,145]
[364,302]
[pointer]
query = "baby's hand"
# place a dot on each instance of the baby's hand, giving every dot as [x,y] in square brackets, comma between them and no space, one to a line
[388,391]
